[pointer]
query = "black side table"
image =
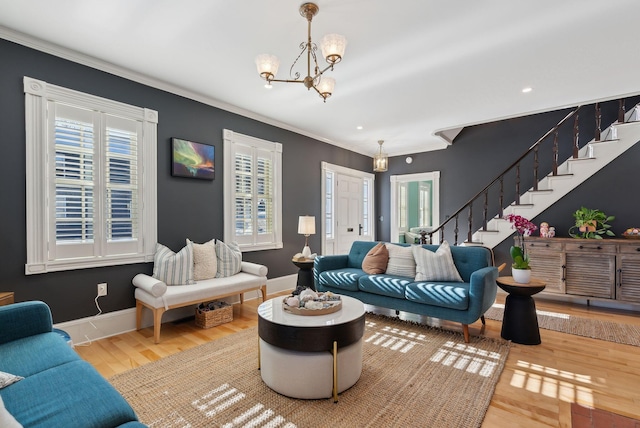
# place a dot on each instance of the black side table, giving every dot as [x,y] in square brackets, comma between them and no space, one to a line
[305,274]
[520,322]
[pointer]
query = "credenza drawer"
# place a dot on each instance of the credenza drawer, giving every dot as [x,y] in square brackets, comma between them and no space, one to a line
[595,247]
[630,249]
[552,246]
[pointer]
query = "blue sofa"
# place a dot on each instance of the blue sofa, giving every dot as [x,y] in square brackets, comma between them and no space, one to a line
[463,302]
[59,389]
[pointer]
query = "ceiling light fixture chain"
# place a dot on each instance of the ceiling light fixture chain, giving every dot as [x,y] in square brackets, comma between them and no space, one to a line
[332,46]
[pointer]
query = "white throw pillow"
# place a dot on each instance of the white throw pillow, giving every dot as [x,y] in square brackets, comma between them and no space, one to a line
[7,379]
[229,259]
[205,263]
[436,266]
[6,419]
[173,268]
[401,261]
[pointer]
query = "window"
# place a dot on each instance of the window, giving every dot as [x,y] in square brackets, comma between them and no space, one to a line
[252,192]
[89,200]
[329,204]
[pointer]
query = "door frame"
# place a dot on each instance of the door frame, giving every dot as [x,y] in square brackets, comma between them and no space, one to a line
[396,180]
[328,242]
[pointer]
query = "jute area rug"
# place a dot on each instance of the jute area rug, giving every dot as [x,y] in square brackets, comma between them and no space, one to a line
[412,376]
[610,331]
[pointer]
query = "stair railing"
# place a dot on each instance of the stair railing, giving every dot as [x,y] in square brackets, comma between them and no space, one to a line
[515,166]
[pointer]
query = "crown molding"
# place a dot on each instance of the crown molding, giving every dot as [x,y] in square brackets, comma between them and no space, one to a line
[98,64]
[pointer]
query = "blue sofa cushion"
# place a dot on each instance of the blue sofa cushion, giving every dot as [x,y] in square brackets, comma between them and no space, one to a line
[51,350]
[453,295]
[70,395]
[385,285]
[345,279]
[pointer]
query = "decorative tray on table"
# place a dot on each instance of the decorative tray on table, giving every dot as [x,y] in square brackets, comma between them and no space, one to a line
[309,302]
[632,233]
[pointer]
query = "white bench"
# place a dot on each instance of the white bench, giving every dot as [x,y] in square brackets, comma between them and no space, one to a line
[157,296]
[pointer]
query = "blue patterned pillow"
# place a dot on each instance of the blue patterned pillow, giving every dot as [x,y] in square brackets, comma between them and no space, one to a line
[174,268]
[229,259]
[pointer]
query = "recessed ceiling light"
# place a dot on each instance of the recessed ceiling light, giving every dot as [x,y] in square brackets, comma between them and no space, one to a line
[527,90]
[359,127]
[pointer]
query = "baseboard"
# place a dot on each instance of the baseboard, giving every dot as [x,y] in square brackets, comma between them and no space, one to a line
[85,330]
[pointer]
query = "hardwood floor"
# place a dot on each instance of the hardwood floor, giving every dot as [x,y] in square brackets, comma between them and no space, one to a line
[536,388]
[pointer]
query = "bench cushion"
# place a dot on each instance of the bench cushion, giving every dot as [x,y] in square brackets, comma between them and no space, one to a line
[202,290]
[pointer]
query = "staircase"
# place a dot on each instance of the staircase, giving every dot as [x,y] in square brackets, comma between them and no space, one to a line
[616,139]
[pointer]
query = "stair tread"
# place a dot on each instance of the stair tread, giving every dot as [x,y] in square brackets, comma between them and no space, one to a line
[581,159]
[541,191]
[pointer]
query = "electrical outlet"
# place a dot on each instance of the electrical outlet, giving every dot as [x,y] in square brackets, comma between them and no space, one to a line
[102,289]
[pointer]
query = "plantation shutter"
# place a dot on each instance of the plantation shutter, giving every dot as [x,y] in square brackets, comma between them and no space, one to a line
[253,198]
[122,185]
[95,192]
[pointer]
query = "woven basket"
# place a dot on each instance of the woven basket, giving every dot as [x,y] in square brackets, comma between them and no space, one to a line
[217,313]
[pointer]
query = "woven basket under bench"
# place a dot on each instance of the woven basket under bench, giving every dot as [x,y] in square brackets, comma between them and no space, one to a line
[211,314]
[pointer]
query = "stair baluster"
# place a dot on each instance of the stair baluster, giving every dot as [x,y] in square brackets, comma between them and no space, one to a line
[598,123]
[555,154]
[621,111]
[576,143]
[536,164]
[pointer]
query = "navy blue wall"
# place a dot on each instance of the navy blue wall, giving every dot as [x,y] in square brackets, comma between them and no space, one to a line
[186,207]
[193,208]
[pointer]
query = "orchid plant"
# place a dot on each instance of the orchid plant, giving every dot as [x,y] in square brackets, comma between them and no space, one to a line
[518,252]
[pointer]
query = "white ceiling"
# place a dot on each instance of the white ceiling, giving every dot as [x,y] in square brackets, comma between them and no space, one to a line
[411,68]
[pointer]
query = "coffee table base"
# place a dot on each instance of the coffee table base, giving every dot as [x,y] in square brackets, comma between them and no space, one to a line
[310,375]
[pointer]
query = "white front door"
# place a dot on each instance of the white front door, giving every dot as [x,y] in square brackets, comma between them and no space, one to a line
[349,206]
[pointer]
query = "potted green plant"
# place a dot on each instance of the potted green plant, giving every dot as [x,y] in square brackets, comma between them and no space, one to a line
[591,224]
[520,269]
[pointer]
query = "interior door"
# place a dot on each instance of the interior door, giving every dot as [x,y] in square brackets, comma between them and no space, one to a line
[349,207]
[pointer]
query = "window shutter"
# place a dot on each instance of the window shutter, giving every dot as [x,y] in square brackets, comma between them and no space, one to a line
[73,191]
[254,167]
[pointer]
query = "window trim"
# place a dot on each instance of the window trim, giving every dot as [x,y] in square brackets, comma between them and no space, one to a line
[232,139]
[37,94]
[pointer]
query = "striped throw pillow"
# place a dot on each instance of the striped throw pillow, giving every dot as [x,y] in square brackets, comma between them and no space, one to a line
[401,261]
[436,266]
[173,268]
[229,259]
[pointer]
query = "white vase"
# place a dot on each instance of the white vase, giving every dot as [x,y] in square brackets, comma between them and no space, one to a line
[522,276]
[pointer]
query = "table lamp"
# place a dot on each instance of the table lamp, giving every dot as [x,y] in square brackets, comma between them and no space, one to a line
[306,227]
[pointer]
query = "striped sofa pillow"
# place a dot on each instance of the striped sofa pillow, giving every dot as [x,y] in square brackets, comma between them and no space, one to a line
[229,259]
[173,268]
[401,261]
[435,266]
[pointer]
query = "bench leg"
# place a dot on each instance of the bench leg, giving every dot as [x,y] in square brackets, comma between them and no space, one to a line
[241,298]
[157,322]
[465,331]
[263,290]
[138,315]
[484,322]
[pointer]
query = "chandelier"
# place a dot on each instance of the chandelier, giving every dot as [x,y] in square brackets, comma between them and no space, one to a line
[332,46]
[380,159]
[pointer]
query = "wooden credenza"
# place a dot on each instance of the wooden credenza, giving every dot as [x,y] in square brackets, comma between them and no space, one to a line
[591,268]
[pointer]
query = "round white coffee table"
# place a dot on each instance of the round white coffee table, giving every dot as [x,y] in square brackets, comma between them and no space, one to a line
[310,357]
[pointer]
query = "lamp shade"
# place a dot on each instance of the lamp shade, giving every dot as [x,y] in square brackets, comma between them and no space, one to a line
[267,65]
[326,86]
[380,160]
[307,225]
[333,47]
